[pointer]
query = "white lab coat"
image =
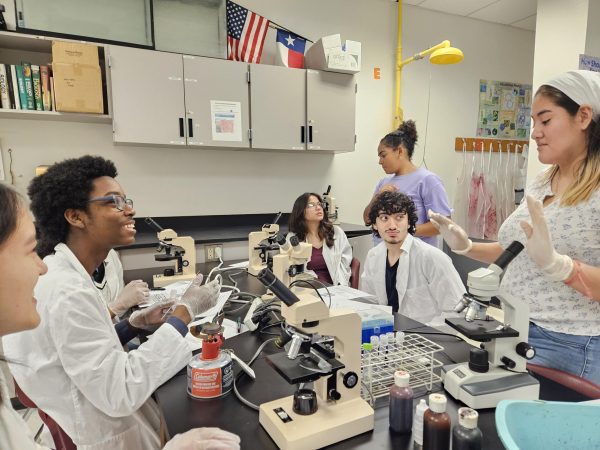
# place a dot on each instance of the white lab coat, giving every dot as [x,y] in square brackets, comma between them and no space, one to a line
[75,369]
[427,283]
[112,284]
[14,432]
[337,258]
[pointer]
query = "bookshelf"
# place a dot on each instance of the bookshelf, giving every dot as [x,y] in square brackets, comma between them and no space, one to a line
[18,47]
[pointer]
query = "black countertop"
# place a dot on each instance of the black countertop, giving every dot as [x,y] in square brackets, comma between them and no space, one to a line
[216,229]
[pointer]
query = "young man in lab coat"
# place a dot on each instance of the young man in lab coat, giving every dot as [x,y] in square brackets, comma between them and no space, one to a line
[414,278]
[73,365]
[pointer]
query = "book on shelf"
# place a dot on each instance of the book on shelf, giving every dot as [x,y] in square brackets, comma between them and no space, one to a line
[28,85]
[15,86]
[21,83]
[11,92]
[37,87]
[4,94]
[46,97]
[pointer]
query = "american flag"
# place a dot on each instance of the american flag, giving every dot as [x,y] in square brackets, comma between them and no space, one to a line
[246,32]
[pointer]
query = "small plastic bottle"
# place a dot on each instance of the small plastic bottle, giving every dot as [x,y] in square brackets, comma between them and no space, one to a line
[417,428]
[436,424]
[466,435]
[401,403]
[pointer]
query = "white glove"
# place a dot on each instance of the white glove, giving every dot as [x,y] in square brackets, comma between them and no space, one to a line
[148,318]
[199,298]
[455,236]
[539,244]
[133,294]
[204,439]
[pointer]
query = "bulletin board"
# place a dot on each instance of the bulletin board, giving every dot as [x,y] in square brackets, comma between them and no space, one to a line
[504,110]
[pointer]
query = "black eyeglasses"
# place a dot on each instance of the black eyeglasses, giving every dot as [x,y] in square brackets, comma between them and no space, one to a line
[119,201]
[312,205]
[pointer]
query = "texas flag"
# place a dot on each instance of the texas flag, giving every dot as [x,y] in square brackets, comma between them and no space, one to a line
[290,49]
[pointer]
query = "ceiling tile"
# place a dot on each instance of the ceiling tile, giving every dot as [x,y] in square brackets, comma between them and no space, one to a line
[507,11]
[528,24]
[457,7]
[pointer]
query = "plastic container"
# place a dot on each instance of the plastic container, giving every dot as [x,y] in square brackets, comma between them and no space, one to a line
[524,424]
[436,424]
[401,403]
[466,435]
[375,322]
[417,428]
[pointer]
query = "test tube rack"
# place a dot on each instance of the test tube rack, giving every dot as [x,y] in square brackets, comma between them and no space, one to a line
[415,355]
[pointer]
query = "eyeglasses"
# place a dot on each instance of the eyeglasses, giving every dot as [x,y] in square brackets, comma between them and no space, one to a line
[119,201]
[312,205]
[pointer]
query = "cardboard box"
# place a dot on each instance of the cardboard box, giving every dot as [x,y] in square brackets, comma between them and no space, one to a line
[77,78]
[328,54]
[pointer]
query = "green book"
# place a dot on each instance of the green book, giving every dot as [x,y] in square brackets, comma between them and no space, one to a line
[21,85]
[37,87]
[28,85]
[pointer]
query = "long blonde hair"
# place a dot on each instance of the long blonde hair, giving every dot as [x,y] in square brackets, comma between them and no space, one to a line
[588,172]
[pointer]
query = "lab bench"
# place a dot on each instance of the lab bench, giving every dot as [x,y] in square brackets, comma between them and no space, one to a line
[180,412]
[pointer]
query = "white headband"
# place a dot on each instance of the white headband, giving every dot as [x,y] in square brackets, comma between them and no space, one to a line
[582,86]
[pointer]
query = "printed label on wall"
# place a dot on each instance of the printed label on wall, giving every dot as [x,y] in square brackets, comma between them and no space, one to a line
[504,110]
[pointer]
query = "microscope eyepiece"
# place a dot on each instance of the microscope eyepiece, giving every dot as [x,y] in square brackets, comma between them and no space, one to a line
[276,218]
[509,254]
[284,293]
[152,224]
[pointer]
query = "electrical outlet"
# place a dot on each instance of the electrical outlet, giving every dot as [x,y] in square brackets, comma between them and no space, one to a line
[212,252]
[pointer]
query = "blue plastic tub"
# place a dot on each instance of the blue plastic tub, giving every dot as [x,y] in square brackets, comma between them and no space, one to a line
[537,424]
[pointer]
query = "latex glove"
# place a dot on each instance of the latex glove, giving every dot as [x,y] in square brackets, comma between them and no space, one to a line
[555,266]
[133,294]
[455,236]
[204,439]
[149,317]
[199,298]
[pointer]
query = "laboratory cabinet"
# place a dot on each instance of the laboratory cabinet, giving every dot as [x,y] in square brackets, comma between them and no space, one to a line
[171,99]
[294,109]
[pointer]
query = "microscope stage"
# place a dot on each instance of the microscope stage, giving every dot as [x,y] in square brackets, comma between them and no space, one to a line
[482,330]
[292,371]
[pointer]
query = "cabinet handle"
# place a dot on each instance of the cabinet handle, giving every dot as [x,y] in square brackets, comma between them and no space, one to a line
[190,128]
[310,134]
[302,134]
[181,127]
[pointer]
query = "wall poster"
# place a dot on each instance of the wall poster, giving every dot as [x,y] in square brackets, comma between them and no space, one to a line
[504,110]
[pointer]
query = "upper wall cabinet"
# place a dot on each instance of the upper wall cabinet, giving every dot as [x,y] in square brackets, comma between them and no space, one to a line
[170,99]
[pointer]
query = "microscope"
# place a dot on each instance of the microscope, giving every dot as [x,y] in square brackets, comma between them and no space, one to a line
[175,248]
[497,369]
[330,207]
[291,260]
[261,245]
[323,347]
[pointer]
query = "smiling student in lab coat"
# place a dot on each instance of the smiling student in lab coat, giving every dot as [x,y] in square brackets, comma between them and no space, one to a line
[73,365]
[331,253]
[414,278]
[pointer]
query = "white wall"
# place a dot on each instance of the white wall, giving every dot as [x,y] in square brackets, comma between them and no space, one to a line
[175,181]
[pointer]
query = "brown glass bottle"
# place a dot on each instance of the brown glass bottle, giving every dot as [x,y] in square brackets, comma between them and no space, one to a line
[436,424]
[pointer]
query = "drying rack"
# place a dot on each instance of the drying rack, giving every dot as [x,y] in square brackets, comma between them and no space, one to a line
[415,355]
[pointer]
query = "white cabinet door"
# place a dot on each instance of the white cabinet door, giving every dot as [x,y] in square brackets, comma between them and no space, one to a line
[330,106]
[216,102]
[147,97]
[278,107]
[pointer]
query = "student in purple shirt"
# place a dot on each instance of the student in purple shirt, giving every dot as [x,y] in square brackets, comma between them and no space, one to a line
[331,253]
[423,187]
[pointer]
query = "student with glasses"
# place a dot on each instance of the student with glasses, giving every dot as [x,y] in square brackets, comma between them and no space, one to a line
[331,253]
[73,365]
[416,279]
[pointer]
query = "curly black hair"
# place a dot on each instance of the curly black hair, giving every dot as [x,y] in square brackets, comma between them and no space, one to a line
[297,223]
[392,203]
[65,185]
[406,135]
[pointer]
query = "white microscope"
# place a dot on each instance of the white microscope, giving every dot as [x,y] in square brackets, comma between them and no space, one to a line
[175,247]
[496,370]
[330,207]
[261,244]
[324,348]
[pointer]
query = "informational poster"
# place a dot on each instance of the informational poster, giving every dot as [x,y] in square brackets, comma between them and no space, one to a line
[589,63]
[504,110]
[226,118]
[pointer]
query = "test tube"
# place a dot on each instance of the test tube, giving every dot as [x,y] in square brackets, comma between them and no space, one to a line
[391,338]
[383,341]
[399,339]
[375,342]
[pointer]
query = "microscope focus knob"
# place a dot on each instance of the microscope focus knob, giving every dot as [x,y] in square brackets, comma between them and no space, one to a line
[334,395]
[526,350]
[350,380]
[508,362]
